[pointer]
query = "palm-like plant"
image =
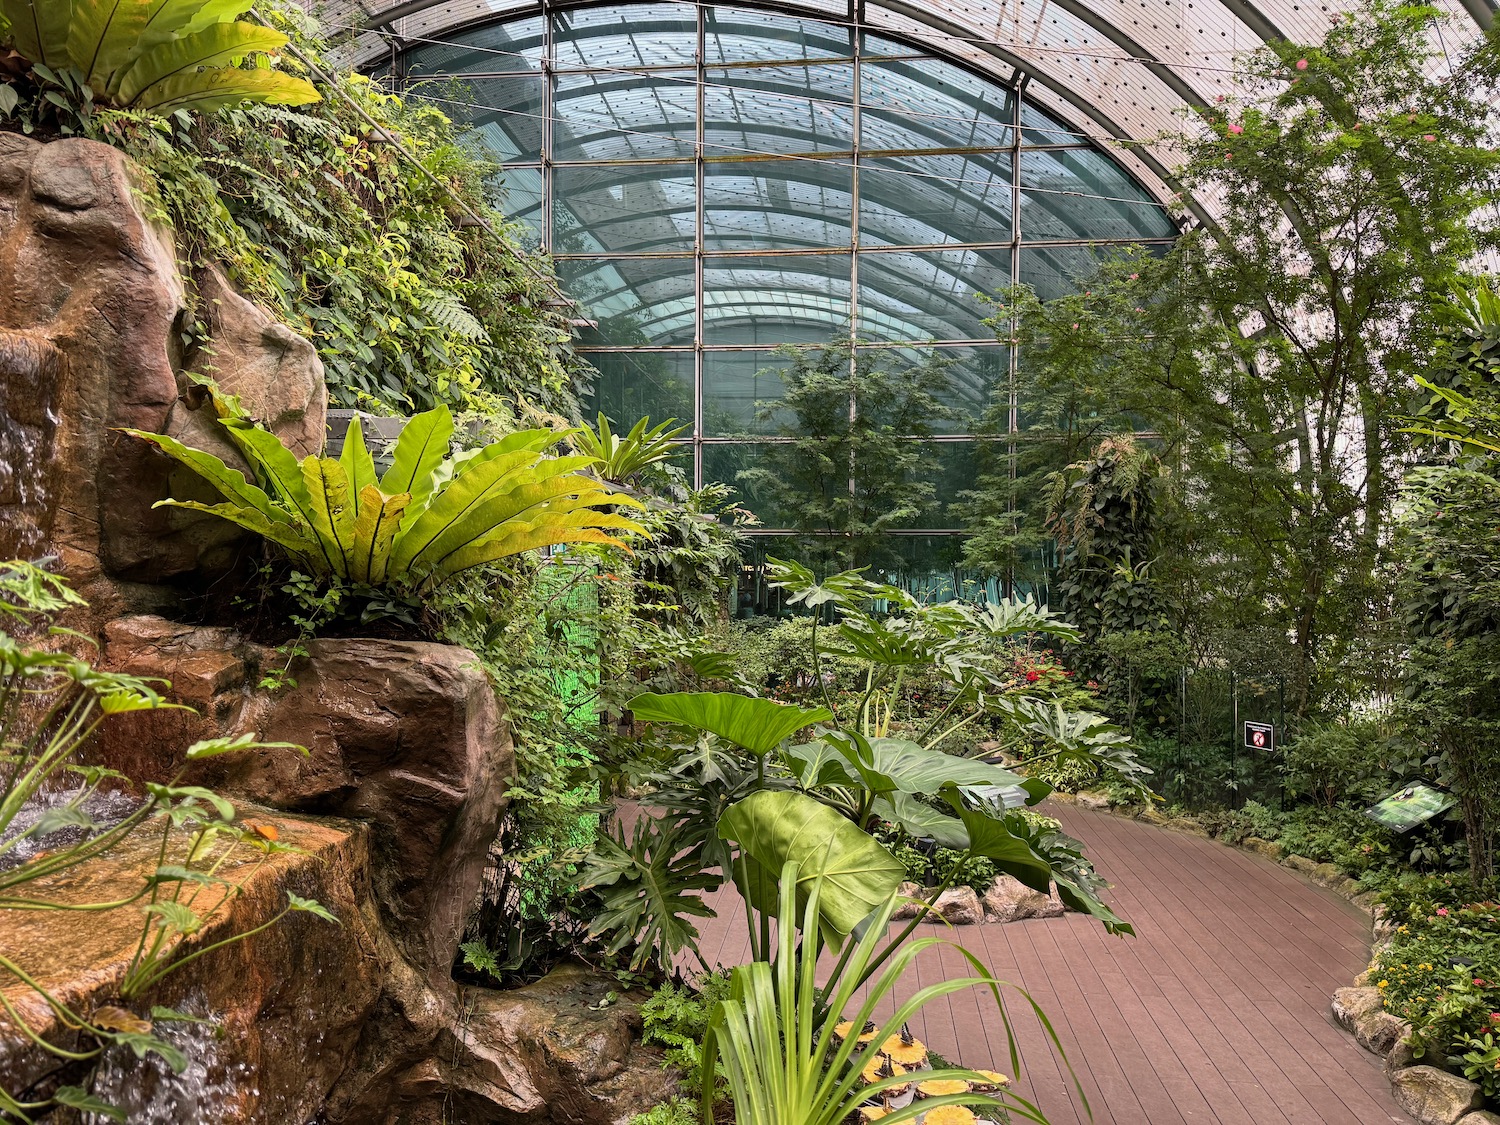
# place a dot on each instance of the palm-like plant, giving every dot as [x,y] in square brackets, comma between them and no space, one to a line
[617,458]
[157,55]
[429,516]
[777,1037]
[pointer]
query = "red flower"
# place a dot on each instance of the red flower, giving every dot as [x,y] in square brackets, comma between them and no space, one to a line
[1033,676]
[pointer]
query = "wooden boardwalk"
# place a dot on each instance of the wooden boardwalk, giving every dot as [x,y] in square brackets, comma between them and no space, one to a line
[1216,1013]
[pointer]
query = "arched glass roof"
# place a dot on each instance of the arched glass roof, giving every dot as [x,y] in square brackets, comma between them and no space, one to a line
[1108,69]
[716,180]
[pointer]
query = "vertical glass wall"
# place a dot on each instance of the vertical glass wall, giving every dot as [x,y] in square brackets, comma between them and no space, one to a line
[717,182]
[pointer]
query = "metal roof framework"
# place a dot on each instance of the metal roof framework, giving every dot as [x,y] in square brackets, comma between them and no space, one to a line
[722,178]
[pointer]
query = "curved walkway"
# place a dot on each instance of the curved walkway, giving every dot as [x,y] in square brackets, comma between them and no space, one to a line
[1217,1012]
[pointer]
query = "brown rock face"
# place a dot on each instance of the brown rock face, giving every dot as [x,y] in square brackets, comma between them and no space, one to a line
[288,1003]
[92,310]
[405,735]
[959,906]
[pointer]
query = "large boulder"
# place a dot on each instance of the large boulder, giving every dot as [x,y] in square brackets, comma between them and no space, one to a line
[1350,1005]
[1433,1096]
[407,736]
[565,1050]
[959,906]
[1010,900]
[94,316]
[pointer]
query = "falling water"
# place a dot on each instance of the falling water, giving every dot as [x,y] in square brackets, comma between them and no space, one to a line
[151,1094]
[105,809]
[29,374]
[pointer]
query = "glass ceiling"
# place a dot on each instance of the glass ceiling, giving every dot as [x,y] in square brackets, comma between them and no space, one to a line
[716,180]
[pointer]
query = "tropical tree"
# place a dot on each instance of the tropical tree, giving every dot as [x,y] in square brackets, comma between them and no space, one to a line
[847,472]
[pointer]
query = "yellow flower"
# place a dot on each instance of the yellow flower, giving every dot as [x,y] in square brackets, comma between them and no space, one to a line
[1383,984]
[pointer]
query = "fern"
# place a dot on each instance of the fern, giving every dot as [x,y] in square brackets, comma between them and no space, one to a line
[450,312]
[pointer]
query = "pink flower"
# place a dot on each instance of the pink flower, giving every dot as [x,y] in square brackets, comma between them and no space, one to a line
[1301,64]
[1135,277]
[1075,326]
[1229,156]
[1479,983]
[1428,137]
[1236,128]
[1443,911]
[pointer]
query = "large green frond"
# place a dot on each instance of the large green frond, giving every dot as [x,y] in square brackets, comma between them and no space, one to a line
[218,45]
[208,90]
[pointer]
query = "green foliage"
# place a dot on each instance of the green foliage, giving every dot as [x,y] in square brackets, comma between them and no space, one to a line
[618,458]
[678,1111]
[846,478]
[1449,1005]
[647,882]
[159,58]
[1332,762]
[323,220]
[676,1018]
[429,516]
[785,1065]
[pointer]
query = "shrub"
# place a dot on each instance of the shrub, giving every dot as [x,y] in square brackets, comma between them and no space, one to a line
[1336,761]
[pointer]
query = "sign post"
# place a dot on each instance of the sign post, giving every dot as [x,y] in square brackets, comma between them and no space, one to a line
[1260,736]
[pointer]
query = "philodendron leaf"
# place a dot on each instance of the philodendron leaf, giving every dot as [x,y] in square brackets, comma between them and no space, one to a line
[990,838]
[858,874]
[75,1097]
[1075,897]
[175,916]
[759,725]
[213,747]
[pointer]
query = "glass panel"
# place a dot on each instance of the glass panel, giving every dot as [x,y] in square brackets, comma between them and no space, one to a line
[790,108]
[928,566]
[633,301]
[640,384]
[1082,193]
[517,194]
[622,116]
[626,36]
[1039,128]
[878,46]
[1056,270]
[777,205]
[627,208]
[744,467]
[932,200]
[503,114]
[968,381]
[926,103]
[740,393]
[907,295]
[775,300]
[949,467]
[733,35]
[515,45]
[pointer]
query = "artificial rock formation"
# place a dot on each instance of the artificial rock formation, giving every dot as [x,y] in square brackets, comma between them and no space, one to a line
[290,1001]
[408,738]
[93,319]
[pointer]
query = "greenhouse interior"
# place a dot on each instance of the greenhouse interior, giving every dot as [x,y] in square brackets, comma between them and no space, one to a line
[571,563]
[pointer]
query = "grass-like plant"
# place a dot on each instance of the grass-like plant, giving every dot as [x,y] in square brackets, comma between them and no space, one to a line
[430,515]
[156,55]
[777,1040]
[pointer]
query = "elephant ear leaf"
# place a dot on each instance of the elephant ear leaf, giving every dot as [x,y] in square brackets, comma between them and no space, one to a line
[759,725]
[776,827]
